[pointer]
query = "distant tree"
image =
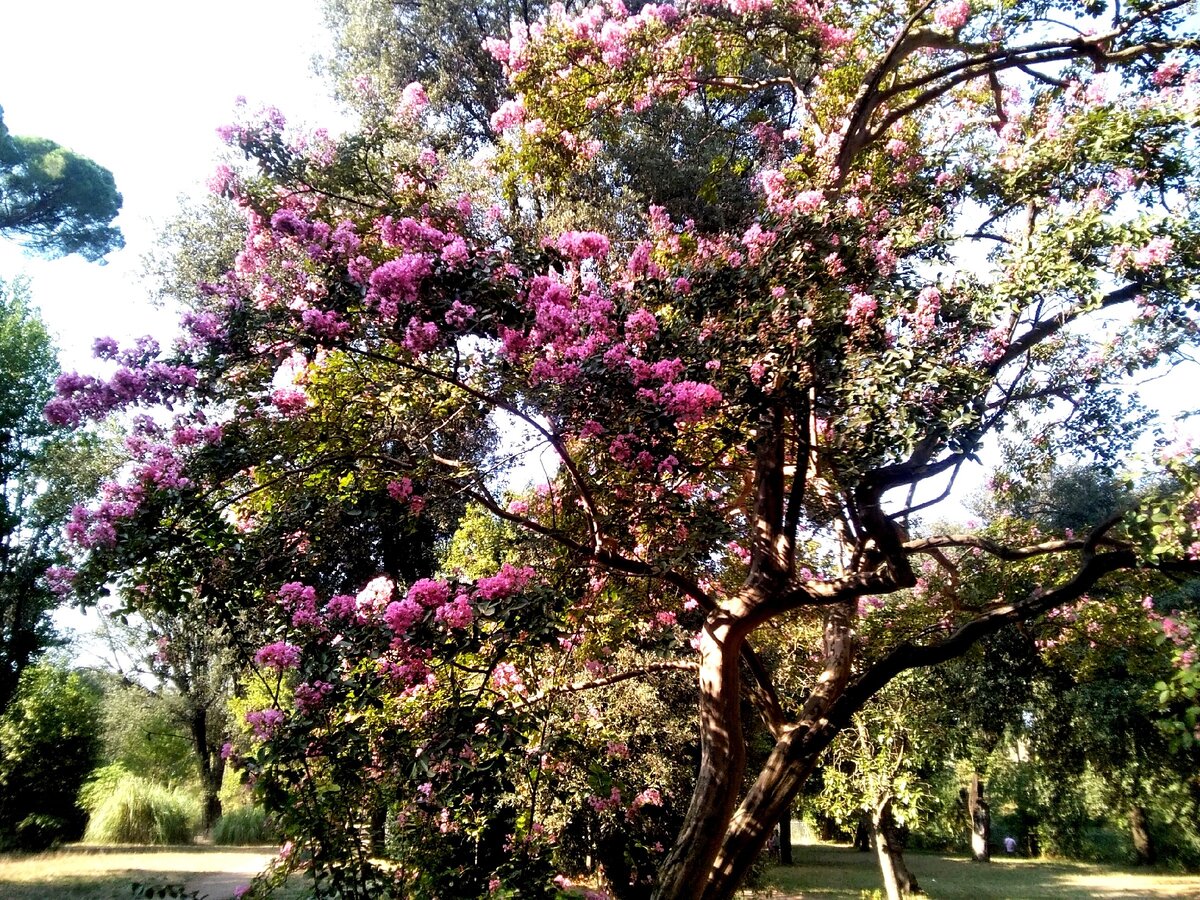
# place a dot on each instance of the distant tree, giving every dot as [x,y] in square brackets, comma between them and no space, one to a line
[695,160]
[55,201]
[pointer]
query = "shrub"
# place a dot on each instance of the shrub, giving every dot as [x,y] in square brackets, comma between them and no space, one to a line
[137,811]
[47,745]
[244,825]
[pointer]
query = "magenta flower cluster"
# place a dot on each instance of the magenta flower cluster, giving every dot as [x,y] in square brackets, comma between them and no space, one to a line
[279,655]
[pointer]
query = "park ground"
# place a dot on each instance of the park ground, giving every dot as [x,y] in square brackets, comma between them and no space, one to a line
[820,872]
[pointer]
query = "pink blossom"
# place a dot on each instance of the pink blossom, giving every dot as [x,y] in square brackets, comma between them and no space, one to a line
[413,101]
[580,245]
[953,15]
[510,114]
[640,326]
[397,282]
[457,614]
[328,325]
[279,655]
[310,696]
[265,722]
[690,401]
[758,242]
[924,319]
[290,401]
[861,310]
[1166,73]
[429,592]
[342,606]
[421,337]
[373,599]
[455,253]
[1156,253]
[508,581]
[507,680]
[60,579]
[401,615]
[807,202]
[995,344]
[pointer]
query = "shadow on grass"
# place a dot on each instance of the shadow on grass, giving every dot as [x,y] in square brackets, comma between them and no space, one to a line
[825,871]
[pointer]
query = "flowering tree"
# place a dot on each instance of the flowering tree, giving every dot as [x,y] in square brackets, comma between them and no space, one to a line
[736,426]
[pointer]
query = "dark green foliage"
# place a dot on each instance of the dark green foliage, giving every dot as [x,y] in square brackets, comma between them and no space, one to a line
[54,201]
[48,744]
[27,370]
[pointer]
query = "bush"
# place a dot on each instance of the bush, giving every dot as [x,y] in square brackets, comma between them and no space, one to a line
[137,811]
[48,743]
[244,825]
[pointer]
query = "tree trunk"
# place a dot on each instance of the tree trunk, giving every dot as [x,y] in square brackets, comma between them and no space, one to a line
[980,819]
[1139,830]
[211,766]
[862,832]
[684,873]
[826,828]
[796,754]
[898,881]
[785,840]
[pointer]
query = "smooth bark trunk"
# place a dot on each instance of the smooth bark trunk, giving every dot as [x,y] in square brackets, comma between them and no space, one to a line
[796,754]
[684,874]
[898,881]
[980,820]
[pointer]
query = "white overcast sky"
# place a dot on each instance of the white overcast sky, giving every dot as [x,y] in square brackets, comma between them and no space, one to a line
[140,87]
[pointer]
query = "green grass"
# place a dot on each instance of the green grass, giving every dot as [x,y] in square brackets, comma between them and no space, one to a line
[108,874]
[824,871]
[821,872]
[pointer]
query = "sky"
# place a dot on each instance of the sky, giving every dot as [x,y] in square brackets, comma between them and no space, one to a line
[140,86]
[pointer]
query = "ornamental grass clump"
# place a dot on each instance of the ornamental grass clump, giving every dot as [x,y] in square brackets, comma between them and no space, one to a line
[242,826]
[137,811]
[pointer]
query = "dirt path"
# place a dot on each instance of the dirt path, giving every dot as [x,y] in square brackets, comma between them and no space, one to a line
[233,874]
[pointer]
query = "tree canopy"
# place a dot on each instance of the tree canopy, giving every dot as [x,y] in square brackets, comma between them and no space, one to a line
[961,223]
[55,201]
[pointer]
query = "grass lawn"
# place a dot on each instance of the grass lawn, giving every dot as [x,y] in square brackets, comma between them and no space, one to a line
[824,871]
[821,871]
[92,873]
